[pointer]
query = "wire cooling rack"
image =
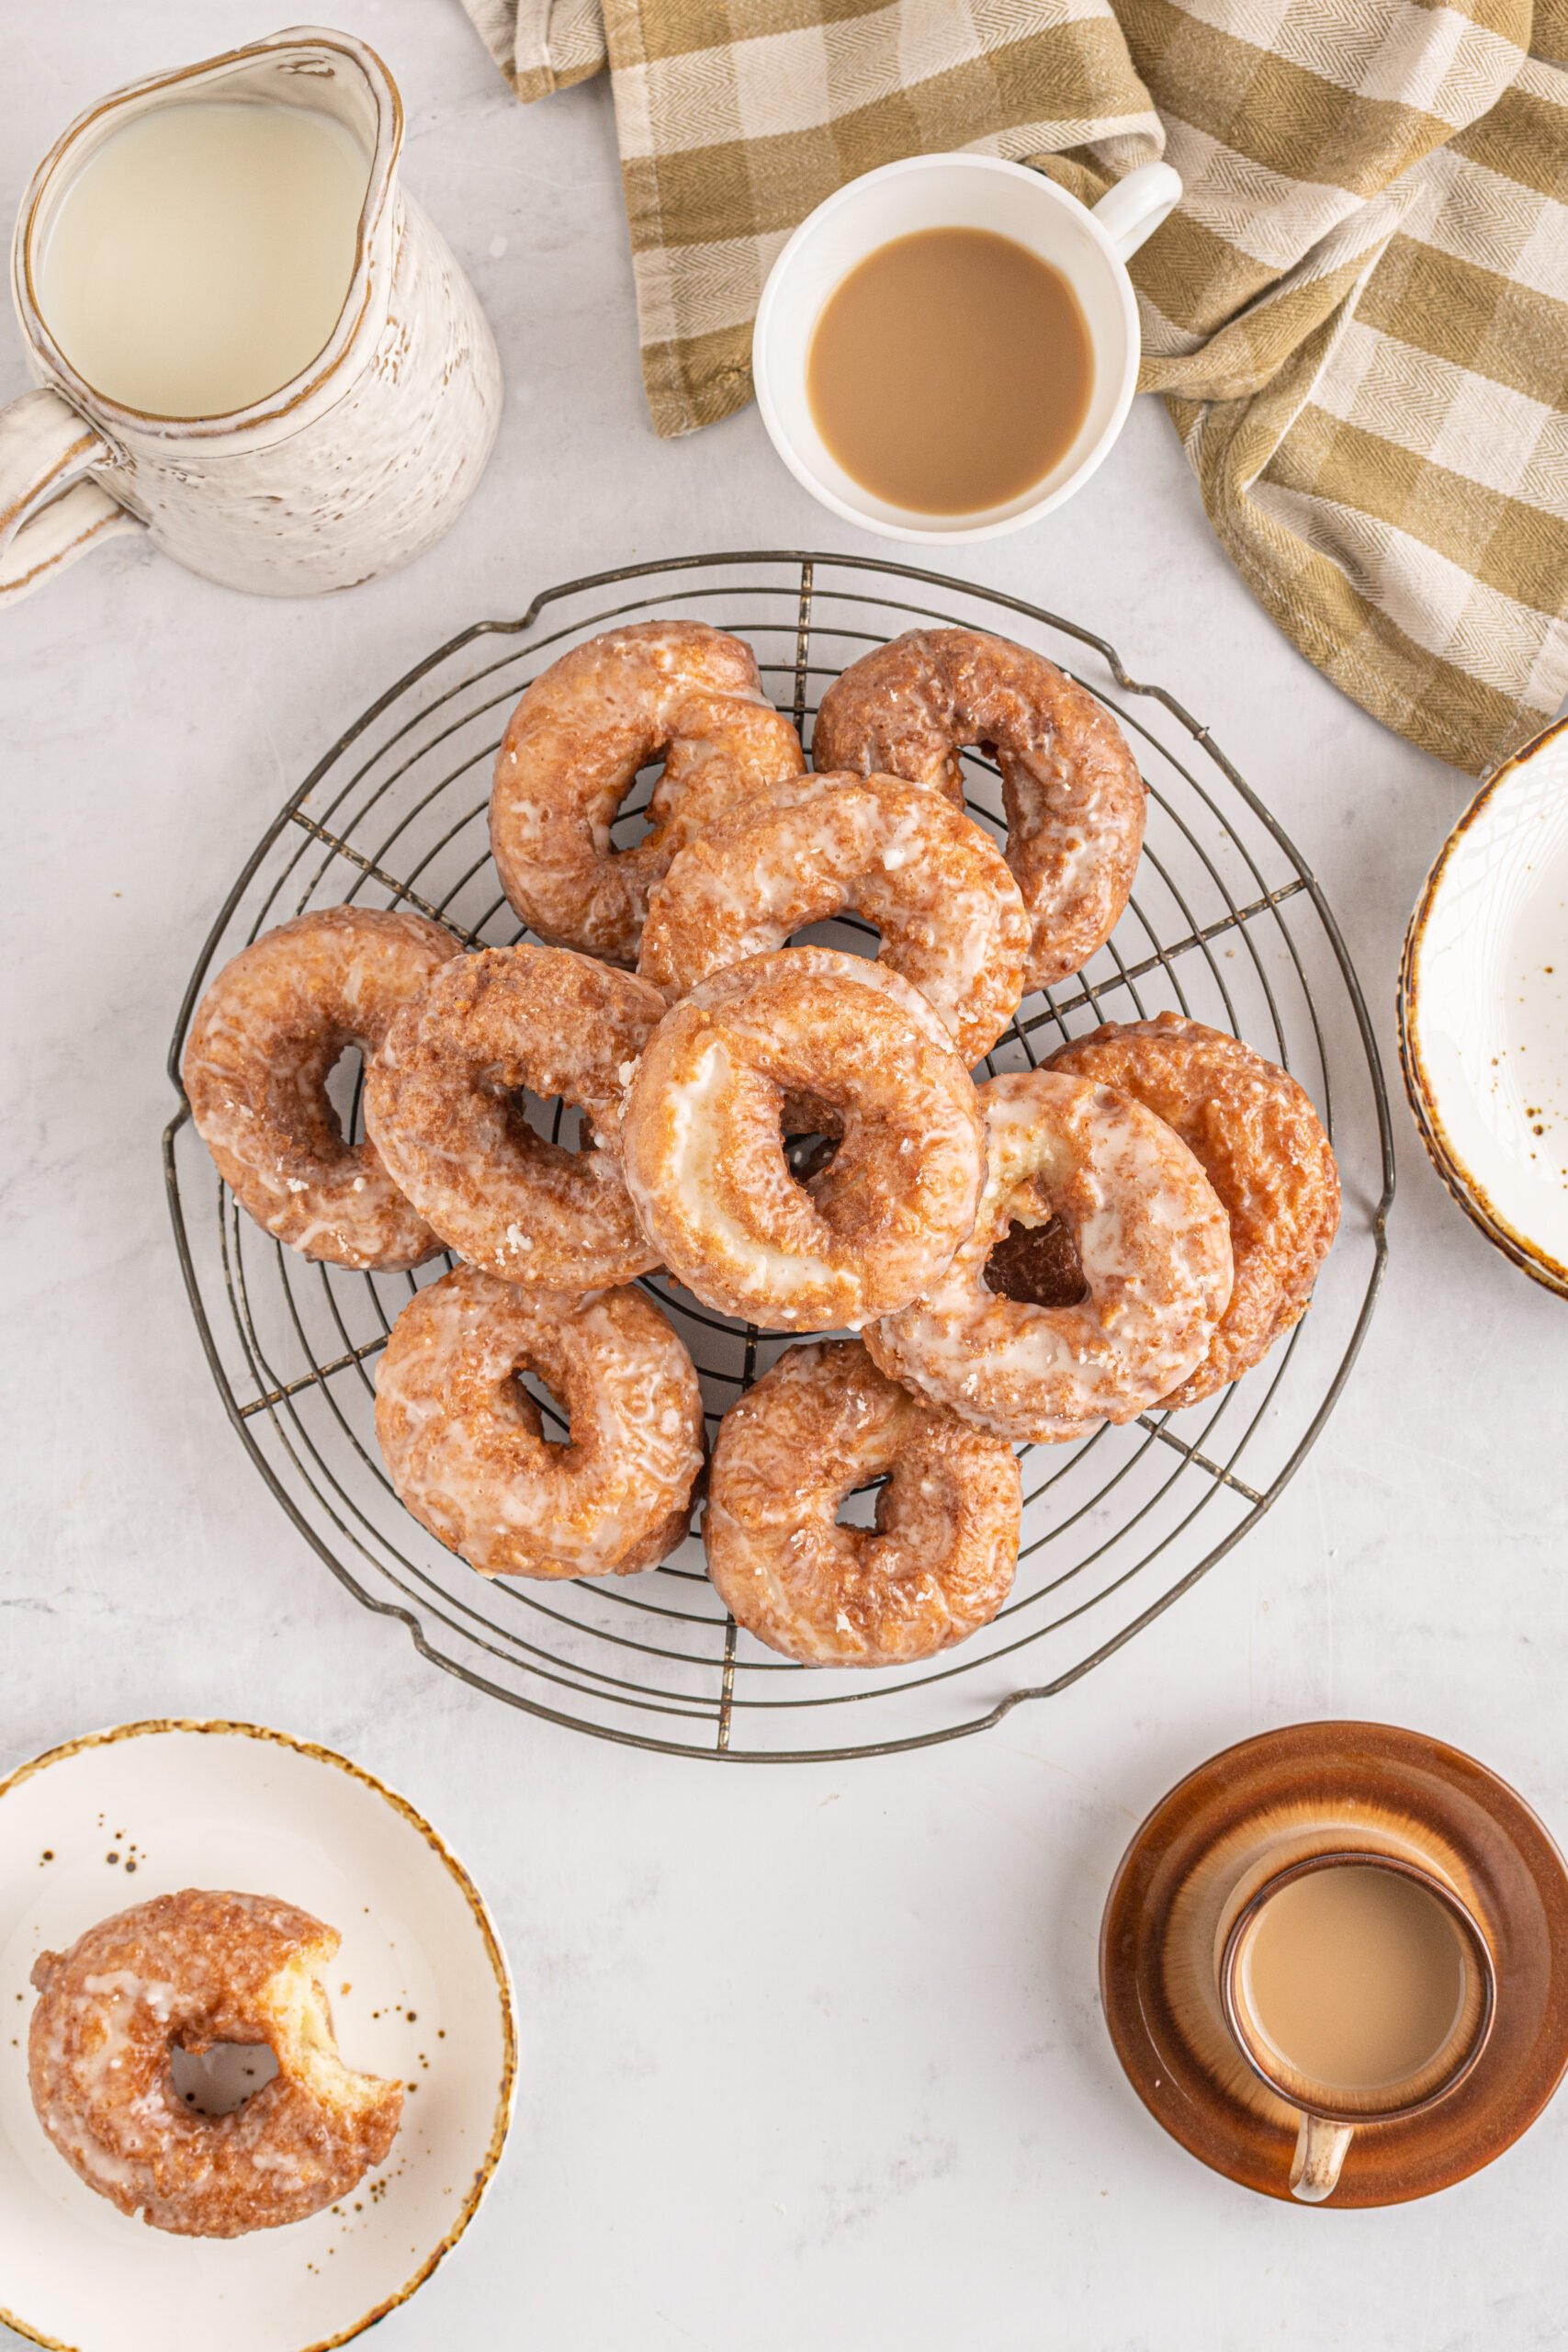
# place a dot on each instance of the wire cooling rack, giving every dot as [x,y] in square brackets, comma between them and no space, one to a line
[1228,925]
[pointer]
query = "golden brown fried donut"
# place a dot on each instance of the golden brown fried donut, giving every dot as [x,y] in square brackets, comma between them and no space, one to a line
[950,914]
[185,1971]
[674,690]
[1153,1243]
[464,1444]
[261,1047]
[939,1562]
[1255,1134]
[1073,799]
[704,1152]
[441,1104]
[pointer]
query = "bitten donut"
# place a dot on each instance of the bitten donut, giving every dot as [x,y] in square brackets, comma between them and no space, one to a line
[1152,1244]
[935,886]
[938,1562]
[703,1150]
[257,1058]
[441,1104]
[1073,800]
[184,1972]
[464,1442]
[672,690]
[1254,1132]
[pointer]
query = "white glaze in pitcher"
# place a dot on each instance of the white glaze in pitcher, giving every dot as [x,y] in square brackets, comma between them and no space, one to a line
[355,466]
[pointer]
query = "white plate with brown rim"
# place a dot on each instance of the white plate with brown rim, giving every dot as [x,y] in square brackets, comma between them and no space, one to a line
[1483,1010]
[419,1989]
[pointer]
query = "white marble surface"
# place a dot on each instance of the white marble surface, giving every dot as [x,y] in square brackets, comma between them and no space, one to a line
[812,2057]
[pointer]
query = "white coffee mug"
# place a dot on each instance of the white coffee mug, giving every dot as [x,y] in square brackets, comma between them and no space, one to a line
[957,192]
[356,464]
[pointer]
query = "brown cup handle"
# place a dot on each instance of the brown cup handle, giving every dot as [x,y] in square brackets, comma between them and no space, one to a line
[1320,2152]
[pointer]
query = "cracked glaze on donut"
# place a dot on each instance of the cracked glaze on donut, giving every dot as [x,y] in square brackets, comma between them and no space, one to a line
[703,1151]
[935,885]
[1255,1134]
[189,1970]
[1073,800]
[674,690]
[441,1103]
[938,1562]
[1152,1241]
[261,1047]
[464,1442]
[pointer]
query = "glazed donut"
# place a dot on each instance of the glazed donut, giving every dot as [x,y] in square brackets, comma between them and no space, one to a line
[259,1050]
[464,1442]
[440,1102]
[1153,1245]
[184,1972]
[674,690]
[1256,1136]
[950,914]
[939,1562]
[1073,800]
[704,1150]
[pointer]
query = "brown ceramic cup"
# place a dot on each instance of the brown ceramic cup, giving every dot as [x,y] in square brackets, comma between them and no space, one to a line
[1232,1828]
[1331,2113]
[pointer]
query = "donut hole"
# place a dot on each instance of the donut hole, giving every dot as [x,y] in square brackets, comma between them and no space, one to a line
[343,1086]
[845,930]
[858,1505]
[1038,1265]
[634,820]
[806,1155]
[216,2081]
[538,1123]
[527,1398]
[899,1518]
[554,1417]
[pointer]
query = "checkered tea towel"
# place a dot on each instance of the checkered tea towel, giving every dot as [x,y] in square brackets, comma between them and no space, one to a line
[1358,314]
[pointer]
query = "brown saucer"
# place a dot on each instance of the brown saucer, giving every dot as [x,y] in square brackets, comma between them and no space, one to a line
[1408,1794]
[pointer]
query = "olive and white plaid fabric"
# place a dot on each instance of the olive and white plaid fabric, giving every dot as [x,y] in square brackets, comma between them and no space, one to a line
[1358,314]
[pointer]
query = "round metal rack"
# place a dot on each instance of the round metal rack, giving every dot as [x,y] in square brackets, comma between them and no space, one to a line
[1228,925]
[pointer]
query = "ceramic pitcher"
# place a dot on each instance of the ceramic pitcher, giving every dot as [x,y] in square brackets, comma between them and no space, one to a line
[354,466]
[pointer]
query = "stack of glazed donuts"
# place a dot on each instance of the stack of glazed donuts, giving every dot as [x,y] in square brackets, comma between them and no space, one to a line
[792,1133]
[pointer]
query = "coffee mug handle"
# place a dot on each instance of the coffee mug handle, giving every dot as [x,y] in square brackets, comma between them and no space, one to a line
[1135,208]
[1320,2152]
[48,515]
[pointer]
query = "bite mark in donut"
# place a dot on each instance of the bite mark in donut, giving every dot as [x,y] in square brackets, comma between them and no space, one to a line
[937,1564]
[464,1442]
[188,1971]
[672,690]
[1073,800]
[262,1046]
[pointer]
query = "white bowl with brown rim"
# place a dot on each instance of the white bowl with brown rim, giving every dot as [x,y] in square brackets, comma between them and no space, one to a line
[1483,1010]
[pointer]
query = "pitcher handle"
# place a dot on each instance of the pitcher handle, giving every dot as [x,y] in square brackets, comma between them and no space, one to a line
[1135,208]
[49,514]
